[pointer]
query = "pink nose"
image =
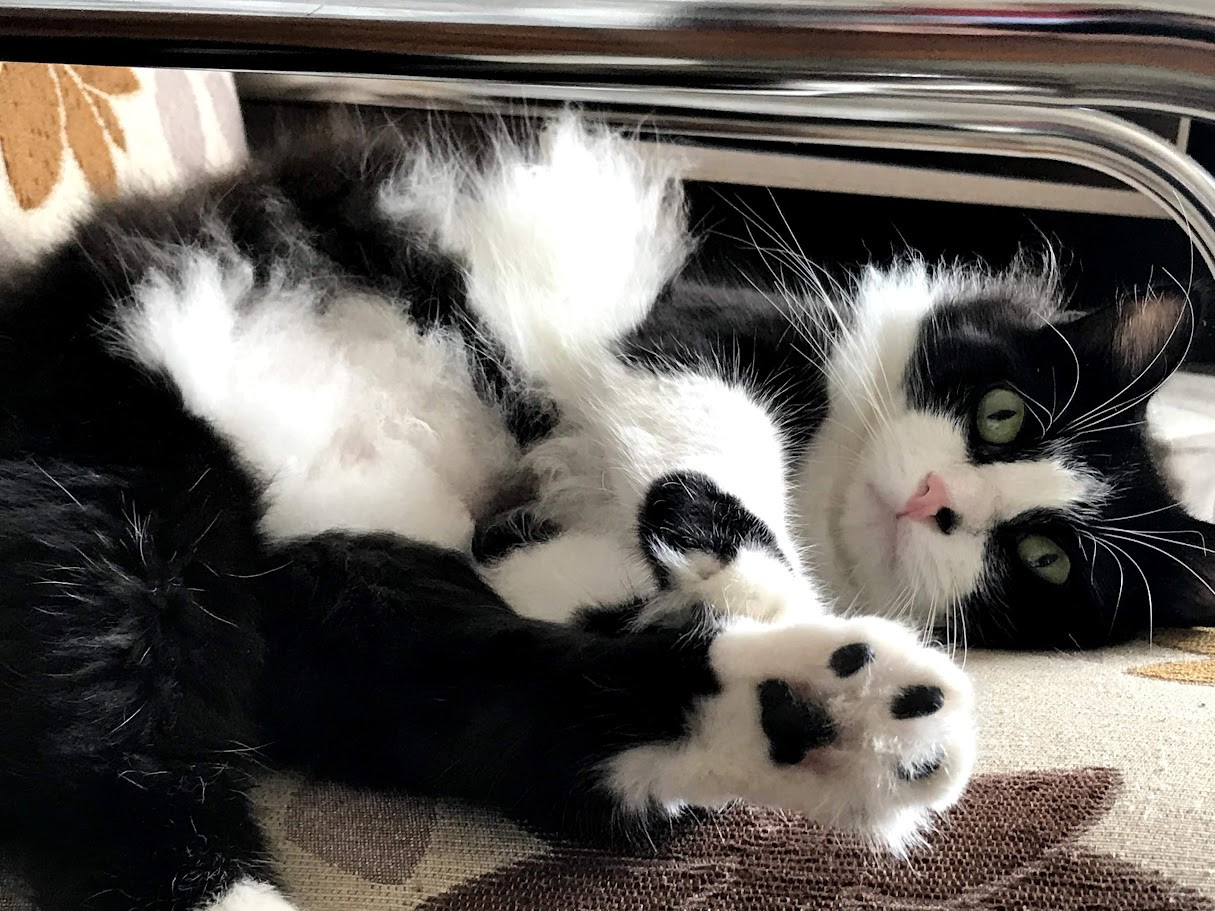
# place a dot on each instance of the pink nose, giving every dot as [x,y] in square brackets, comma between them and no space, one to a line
[926,502]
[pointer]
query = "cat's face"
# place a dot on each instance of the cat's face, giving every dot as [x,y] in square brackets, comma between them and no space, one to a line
[992,471]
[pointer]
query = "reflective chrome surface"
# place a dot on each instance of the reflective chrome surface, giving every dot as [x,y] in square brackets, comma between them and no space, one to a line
[1021,77]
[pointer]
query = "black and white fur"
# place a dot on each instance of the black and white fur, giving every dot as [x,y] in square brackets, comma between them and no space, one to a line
[420,467]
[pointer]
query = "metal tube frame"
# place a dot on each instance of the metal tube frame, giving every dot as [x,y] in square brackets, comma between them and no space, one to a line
[890,86]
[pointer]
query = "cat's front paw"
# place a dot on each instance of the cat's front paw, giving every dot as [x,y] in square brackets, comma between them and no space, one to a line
[850,722]
[708,549]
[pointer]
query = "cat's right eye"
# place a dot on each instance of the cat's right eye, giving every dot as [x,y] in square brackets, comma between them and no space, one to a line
[1044,558]
[999,417]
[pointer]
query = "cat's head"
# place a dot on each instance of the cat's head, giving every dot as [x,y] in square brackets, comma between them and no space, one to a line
[993,472]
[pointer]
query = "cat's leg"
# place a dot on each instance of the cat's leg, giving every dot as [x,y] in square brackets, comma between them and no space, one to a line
[695,478]
[676,482]
[566,249]
[402,667]
[702,466]
[128,671]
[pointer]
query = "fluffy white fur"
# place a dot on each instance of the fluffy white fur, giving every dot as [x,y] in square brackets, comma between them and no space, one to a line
[756,584]
[553,580]
[567,249]
[251,895]
[353,418]
[852,783]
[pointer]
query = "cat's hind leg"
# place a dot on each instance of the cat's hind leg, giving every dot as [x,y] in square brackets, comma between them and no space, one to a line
[402,667]
[129,662]
[567,248]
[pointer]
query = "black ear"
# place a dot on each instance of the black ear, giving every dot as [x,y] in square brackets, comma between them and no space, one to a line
[1140,341]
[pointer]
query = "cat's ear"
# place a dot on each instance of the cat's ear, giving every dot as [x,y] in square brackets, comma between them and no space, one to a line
[1140,340]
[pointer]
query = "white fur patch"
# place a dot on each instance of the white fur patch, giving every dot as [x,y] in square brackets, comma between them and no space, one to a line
[756,584]
[351,417]
[566,248]
[554,579]
[251,895]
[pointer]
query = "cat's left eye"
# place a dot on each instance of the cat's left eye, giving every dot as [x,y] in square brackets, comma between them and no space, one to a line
[1044,558]
[999,417]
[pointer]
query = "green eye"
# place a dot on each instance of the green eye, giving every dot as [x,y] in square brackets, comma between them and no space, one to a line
[999,417]
[1045,559]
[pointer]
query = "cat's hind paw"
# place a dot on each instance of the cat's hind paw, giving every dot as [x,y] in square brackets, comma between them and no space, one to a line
[851,722]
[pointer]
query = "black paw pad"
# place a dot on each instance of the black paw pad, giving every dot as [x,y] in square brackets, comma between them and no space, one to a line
[920,770]
[794,726]
[917,701]
[848,659]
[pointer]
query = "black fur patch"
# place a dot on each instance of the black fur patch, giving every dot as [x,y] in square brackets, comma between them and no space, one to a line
[507,531]
[687,512]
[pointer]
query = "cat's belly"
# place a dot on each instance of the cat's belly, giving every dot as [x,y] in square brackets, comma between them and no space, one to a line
[352,416]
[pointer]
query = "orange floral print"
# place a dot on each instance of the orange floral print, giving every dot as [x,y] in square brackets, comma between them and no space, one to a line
[44,105]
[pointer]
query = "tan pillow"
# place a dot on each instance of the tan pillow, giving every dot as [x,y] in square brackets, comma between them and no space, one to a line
[73,134]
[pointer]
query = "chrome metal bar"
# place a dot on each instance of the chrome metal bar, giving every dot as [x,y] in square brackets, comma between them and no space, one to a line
[1017,77]
[844,116]
[1138,53]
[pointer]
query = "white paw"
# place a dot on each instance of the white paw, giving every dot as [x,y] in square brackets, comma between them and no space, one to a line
[850,722]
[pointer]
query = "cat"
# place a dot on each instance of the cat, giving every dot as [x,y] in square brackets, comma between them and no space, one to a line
[422,463]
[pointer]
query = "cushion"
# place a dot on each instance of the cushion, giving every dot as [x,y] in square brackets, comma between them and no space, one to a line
[73,134]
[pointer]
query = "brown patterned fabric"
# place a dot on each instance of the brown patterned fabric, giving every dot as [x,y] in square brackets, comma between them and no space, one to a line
[378,836]
[43,106]
[1199,641]
[1010,844]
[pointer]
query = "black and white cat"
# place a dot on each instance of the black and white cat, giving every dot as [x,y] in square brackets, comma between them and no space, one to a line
[421,466]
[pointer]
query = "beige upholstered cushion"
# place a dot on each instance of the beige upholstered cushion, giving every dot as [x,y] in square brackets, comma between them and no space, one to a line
[70,135]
